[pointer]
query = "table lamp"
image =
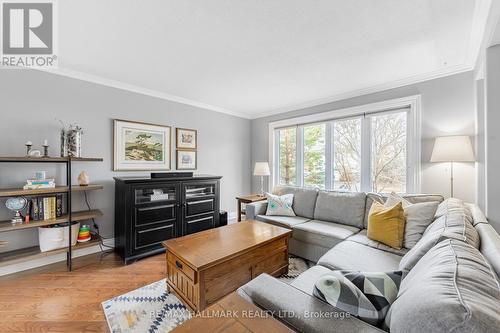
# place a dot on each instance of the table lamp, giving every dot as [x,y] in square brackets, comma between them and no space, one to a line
[451,149]
[261,169]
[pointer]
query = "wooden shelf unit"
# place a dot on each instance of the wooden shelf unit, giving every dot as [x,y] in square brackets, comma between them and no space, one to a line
[76,216]
[12,192]
[30,253]
[11,257]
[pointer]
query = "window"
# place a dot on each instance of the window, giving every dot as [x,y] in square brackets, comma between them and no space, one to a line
[365,151]
[388,145]
[347,155]
[287,156]
[314,156]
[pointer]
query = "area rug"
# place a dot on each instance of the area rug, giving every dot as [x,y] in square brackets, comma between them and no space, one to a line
[153,308]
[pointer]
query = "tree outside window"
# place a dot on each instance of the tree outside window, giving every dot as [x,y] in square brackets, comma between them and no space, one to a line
[288,156]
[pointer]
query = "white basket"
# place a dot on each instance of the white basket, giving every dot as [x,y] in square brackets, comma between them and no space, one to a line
[57,238]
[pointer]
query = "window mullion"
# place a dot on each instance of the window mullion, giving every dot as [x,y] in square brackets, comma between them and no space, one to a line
[366,174]
[328,156]
[300,156]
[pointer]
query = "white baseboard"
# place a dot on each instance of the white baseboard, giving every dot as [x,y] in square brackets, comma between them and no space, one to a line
[19,267]
[231,216]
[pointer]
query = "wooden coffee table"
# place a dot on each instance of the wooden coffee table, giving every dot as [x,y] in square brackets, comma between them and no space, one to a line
[206,266]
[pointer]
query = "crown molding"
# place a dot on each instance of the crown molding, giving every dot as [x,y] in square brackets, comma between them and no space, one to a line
[452,70]
[139,90]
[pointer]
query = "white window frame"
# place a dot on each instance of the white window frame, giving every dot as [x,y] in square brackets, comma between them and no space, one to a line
[413,163]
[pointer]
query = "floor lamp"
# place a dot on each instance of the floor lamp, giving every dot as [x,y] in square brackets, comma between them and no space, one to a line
[452,149]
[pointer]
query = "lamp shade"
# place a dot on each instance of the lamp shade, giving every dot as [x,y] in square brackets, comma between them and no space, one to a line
[452,149]
[261,169]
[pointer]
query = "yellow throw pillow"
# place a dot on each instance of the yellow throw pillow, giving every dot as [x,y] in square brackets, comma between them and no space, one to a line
[387,224]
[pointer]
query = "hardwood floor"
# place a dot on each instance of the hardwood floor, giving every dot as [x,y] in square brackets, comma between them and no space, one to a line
[50,299]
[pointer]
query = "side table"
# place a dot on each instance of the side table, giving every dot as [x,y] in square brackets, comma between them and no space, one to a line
[246,199]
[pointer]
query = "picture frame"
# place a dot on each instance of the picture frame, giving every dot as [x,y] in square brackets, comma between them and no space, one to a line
[139,146]
[187,159]
[186,138]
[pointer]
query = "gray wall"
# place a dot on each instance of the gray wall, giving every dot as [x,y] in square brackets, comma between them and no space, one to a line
[32,100]
[493,135]
[480,145]
[447,109]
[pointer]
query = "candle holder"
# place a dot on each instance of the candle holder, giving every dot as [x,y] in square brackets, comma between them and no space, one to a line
[28,147]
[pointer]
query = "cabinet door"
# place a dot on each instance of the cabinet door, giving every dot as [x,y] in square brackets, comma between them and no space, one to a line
[200,206]
[155,215]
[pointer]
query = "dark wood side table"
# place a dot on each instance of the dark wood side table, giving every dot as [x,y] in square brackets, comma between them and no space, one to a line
[246,199]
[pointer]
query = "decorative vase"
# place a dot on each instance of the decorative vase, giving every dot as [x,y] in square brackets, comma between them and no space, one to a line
[83,179]
[64,146]
[74,142]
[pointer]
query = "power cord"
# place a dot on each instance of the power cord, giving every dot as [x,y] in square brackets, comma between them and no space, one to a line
[96,226]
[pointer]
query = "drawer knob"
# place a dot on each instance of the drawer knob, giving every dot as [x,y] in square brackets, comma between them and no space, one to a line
[178,264]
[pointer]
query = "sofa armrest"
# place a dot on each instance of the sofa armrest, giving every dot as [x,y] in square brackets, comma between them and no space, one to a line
[254,209]
[299,310]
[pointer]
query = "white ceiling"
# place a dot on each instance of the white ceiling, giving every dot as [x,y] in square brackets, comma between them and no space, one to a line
[258,57]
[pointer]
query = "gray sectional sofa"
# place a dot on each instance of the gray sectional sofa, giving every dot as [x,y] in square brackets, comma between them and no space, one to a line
[450,281]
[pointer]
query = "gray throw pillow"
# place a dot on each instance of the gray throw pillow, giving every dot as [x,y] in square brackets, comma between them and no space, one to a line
[418,217]
[366,295]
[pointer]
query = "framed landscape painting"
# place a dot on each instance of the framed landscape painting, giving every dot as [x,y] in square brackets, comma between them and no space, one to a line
[186,159]
[186,138]
[141,146]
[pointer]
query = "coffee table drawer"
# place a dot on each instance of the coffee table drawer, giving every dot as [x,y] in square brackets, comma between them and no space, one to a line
[179,265]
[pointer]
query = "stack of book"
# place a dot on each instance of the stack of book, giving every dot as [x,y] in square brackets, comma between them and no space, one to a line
[46,208]
[34,184]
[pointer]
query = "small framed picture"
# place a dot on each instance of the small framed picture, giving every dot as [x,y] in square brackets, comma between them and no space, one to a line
[186,159]
[186,138]
[141,146]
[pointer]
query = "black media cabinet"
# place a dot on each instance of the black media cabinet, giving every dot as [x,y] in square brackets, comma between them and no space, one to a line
[151,210]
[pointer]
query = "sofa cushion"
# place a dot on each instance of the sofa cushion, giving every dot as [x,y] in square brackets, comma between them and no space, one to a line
[490,245]
[299,310]
[279,205]
[450,203]
[412,198]
[304,199]
[366,295]
[283,221]
[455,224]
[322,233]
[361,237]
[341,207]
[348,255]
[451,289]
[307,279]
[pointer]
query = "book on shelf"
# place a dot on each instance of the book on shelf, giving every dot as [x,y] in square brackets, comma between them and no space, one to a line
[38,186]
[46,208]
[40,181]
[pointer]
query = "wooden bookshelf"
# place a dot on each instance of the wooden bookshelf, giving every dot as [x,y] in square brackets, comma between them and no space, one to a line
[27,159]
[12,192]
[12,257]
[30,253]
[75,216]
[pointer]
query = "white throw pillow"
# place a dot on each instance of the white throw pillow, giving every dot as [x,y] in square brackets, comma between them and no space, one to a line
[280,204]
[418,217]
